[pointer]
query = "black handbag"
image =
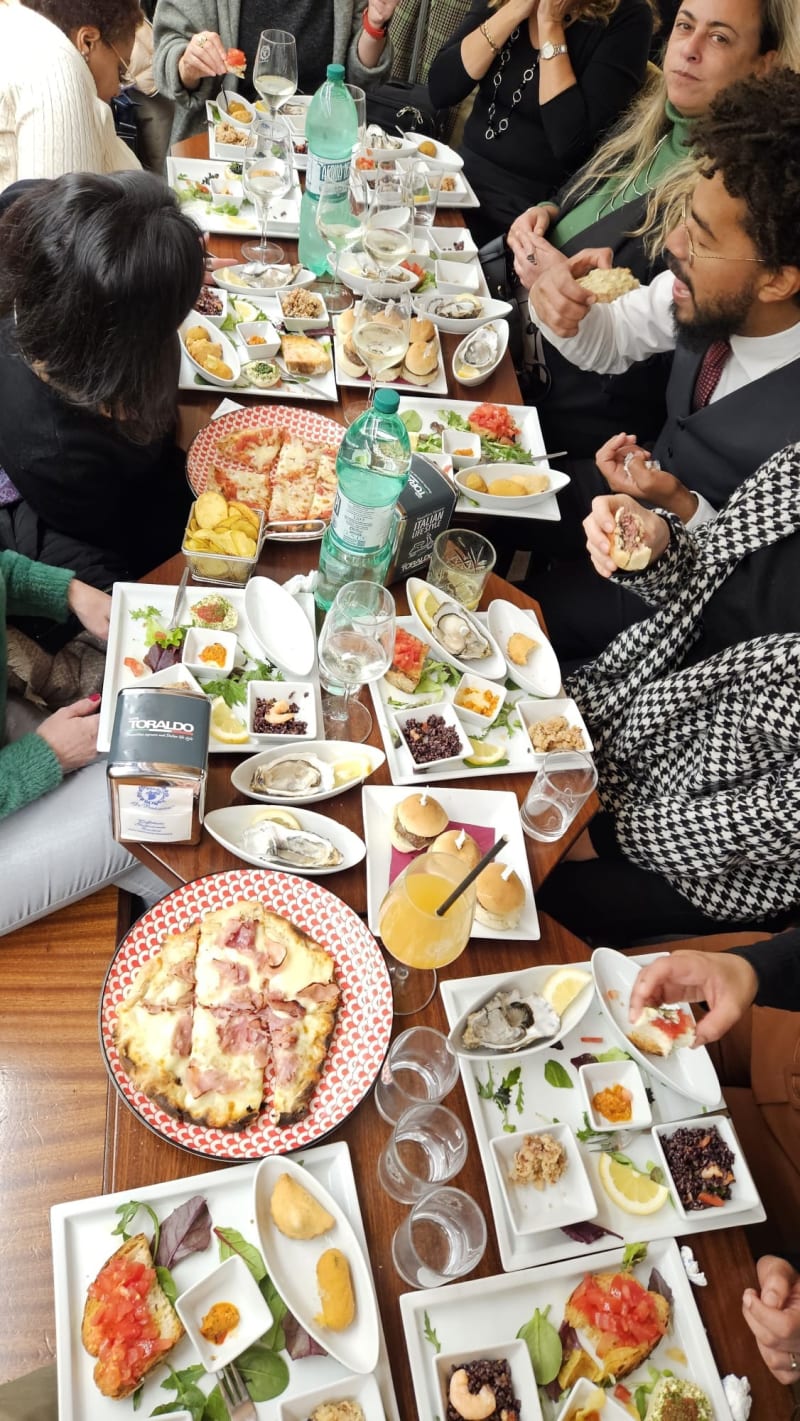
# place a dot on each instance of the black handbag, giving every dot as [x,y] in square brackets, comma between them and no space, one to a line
[497,261]
[398,104]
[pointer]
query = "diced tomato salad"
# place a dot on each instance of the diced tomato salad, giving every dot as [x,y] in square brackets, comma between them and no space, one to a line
[131,1335]
[625,1309]
[409,651]
[495,421]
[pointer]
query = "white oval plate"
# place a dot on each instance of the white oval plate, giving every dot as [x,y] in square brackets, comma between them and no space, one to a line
[446,158]
[490,472]
[689,1071]
[291,1264]
[481,375]
[352,274]
[490,311]
[227,826]
[328,750]
[229,352]
[279,625]
[531,980]
[223,280]
[493,667]
[542,673]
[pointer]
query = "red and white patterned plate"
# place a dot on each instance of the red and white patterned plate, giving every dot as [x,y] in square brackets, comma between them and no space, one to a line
[304,423]
[363,1023]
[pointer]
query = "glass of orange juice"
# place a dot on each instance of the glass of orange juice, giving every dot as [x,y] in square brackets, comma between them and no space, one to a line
[418,939]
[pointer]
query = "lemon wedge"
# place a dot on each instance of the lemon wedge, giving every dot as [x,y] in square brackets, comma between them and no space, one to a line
[426,604]
[355,768]
[226,724]
[633,1191]
[563,986]
[484,752]
[278,816]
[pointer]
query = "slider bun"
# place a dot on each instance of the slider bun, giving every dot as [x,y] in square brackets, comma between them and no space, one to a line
[345,322]
[467,853]
[422,329]
[416,822]
[499,901]
[422,362]
[631,555]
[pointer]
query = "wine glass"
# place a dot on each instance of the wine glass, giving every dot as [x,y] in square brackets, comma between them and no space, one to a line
[418,939]
[389,231]
[275,68]
[381,334]
[355,647]
[339,219]
[270,174]
[360,100]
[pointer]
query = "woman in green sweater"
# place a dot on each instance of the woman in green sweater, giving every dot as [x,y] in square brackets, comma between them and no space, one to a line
[55,839]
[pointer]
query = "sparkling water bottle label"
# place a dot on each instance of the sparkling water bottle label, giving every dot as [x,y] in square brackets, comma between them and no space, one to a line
[327,170]
[360,528]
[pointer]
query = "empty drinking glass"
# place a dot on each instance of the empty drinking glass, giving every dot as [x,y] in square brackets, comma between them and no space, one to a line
[427,1147]
[443,1238]
[419,1068]
[559,789]
[425,185]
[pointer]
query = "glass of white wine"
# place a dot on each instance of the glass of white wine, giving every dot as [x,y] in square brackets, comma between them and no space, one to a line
[418,939]
[275,68]
[381,334]
[355,647]
[340,218]
[389,230]
[269,174]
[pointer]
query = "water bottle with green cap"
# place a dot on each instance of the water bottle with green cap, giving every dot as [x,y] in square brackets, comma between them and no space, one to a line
[331,135]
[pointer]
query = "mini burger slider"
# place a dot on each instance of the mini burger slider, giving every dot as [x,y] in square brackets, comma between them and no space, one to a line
[500,897]
[349,359]
[628,548]
[417,821]
[459,845]
[421,364]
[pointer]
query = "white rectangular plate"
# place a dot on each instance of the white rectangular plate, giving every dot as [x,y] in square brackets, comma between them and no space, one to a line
[82,1241]
[518,748]
[543,1104]
[126,638]
[490,1311]
[469,806]
[316,387]
[530,438]
[285,212]
[361,382]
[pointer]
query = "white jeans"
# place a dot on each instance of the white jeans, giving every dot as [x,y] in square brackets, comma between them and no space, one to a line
[59,848]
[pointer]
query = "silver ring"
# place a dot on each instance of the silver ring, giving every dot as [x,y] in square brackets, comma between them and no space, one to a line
[627,461]
[202,41]
[793,1362]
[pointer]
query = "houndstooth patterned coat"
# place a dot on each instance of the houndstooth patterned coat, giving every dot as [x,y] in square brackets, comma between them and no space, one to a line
[701,767]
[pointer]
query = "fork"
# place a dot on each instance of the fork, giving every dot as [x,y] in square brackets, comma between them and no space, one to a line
[235,1394]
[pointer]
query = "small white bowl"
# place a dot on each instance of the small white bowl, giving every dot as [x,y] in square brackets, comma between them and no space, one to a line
[471,375]
[218,337]
[305,323]
[519,1364]
[197,638]
[456,276]
[532,712]
[569,1201]
[489,311]
[448,715]
[219,317]
[744,1194]
[581,1394]
[301,693]
[224,98]
[294,111]
[226,193]
[178,675]
[493,502]
[265,329]
[454,444]
[455,244]
[600,1076]
[351,272]
[473,718]
[363,1389]
[230,1282]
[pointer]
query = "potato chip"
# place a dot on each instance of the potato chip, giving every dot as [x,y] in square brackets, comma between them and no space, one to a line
[244,544]
[210,509]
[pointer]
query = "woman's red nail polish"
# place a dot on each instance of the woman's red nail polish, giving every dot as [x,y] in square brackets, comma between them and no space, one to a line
[95,696]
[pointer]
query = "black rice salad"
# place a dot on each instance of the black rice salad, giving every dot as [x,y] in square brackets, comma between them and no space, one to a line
[701,1165]
[277,717]
[470,1377]
[208,303]
[431,739]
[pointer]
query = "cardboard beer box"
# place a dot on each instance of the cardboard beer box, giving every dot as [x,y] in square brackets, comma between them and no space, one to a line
[424,508]
[158,764]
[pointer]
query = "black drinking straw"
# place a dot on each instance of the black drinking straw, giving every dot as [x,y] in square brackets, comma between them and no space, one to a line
[472,875]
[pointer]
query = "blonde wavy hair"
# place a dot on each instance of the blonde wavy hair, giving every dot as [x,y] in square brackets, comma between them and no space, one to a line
[598,10]
[628,152]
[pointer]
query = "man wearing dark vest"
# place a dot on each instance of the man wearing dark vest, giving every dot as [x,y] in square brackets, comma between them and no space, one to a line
[729,306]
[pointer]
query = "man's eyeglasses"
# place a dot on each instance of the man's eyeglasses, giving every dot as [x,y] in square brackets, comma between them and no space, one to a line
[707,256]
[126,78]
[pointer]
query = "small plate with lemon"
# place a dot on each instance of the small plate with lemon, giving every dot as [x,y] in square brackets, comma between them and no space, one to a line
[230,829]
[568,990]
[349,763]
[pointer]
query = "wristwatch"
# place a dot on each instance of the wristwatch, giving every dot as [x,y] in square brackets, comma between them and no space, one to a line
[550,50]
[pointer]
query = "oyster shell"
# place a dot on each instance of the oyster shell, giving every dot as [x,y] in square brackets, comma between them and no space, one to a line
[457,635]
[457,308]
[292,775]
[507,1022]
[480,349]
[274,842]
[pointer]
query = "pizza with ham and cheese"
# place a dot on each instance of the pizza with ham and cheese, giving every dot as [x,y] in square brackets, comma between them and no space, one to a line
[293,479]
[234,1014]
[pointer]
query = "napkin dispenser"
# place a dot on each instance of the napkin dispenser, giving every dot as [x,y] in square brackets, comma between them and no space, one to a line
[423,509]
[158,765]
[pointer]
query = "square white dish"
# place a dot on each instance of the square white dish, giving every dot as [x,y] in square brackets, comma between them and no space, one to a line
[231,1282]
[455,244]
[405,720]
[498,812]
[533,712]
[82,1241]
[744,1195]
[520,1367]
[363,1389]
[606,1074]
[583,1392]
[567,1201]
[299,693]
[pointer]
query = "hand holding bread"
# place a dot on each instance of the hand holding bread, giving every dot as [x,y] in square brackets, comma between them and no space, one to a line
[726,983]
[559,299]
[620,533]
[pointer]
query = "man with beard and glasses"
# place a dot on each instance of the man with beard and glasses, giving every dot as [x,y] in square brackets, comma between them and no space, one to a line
[729,306]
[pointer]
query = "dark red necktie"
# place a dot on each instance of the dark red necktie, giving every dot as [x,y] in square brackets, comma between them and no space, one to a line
[711,367]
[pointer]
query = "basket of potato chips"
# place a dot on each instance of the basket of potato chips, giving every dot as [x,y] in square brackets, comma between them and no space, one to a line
[223,539]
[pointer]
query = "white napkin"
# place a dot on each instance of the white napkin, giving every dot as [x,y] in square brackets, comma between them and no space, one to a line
[301,583]
[226,407]
[692,1267]
[737,1395]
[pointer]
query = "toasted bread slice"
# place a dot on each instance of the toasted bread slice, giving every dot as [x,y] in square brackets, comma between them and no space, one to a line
[661,1030]
[128,1276]
[618,1355]
[304,356]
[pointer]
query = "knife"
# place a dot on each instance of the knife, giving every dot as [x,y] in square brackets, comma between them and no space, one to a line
[176,608]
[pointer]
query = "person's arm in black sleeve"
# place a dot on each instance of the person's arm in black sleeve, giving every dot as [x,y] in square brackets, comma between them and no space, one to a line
[776,964]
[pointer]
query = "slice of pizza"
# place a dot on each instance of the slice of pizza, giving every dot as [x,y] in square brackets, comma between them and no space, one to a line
[232,957]
[256,448]
[302,1002]
[325,485]
[153,1029]
[224,1076]
[293,481]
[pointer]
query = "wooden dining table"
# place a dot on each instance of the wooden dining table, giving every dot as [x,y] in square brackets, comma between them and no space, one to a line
[101,1146]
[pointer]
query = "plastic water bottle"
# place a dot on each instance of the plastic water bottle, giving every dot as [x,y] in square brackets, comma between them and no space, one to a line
[331,134]
[372,469]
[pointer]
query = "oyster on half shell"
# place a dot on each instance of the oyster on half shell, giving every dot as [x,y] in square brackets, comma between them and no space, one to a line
[457,308]
[458,635]
[508,1022]
[480,349]
[293,775]
[273,842]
